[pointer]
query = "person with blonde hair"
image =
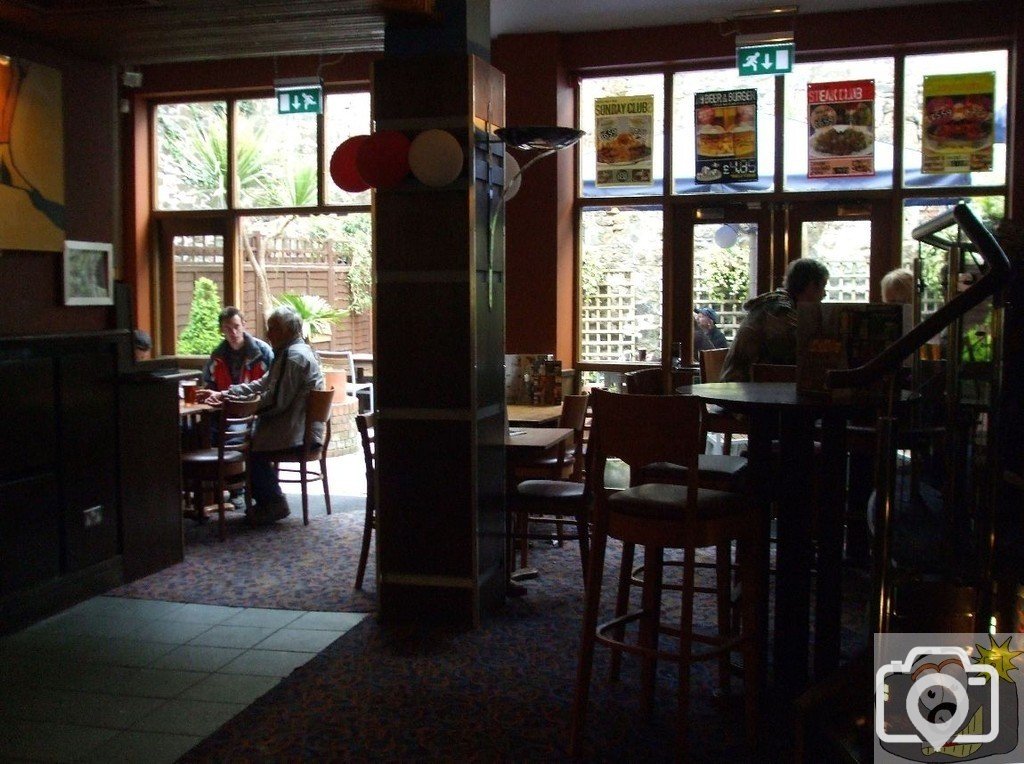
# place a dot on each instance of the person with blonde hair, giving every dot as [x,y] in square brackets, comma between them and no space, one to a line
[898,287]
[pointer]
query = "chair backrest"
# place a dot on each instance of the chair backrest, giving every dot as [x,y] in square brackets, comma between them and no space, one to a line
[367,426]
[644,429]
[711,363]
[236,424]
[318,411]
[645,382]
[574,417]
[772,372]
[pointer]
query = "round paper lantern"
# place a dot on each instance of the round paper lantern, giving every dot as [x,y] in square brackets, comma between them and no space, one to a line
[725,236]
[512,177]
[435,158]
[344,172]
[383,159]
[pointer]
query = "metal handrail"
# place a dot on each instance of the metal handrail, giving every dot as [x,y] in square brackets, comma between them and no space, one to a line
[991,282]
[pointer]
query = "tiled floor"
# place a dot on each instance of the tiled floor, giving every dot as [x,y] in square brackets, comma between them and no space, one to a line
[115,679]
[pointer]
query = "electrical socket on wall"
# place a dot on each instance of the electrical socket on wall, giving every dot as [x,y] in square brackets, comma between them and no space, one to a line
[92,516]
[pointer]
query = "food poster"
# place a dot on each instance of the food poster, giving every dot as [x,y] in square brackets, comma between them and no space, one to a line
[624,126]
[726,134]
[957,132]
[841,129]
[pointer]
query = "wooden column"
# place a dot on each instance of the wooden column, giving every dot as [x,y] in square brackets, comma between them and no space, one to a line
[439,350]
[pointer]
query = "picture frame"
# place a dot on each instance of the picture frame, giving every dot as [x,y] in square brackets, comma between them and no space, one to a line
[88,273]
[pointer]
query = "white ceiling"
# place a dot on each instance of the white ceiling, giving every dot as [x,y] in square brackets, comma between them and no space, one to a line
[518,16]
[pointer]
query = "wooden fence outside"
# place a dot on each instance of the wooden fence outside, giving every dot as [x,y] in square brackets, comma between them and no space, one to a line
[292,266]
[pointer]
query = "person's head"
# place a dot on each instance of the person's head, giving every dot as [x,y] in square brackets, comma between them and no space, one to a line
[232,326]
[142,343]
[706,317]
[283,326]
[806,279]
[898,286]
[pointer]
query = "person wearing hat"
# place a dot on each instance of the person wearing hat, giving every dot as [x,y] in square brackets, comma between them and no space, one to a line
[707,324]
[142,343]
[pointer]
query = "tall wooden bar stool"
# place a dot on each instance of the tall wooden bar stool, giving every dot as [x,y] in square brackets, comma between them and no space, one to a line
[642,430]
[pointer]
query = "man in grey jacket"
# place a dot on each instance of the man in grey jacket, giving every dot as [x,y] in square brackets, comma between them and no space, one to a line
[282,415]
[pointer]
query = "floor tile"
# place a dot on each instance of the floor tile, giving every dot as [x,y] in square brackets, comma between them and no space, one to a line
[266,663]
[137,747]
[84,677]
[301,640]
[255,616]
[174,632]
[49,741]
[232,636]
[197,658]
[188,717]
[125,652]
[231,688]
[82,708]
[159,683]
[192,613]
[331,621]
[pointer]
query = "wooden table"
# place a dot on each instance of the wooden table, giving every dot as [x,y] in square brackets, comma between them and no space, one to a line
[533,416]
[195,424]
[778,410]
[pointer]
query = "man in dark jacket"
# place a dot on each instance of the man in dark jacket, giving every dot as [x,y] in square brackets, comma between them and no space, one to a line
[239,358]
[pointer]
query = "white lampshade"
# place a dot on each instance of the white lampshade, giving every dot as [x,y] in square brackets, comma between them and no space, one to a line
[435,158]
[725,236]
[513,179]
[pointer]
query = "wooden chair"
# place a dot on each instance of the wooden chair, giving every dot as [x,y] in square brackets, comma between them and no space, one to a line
[640,430]
[645,382]
[224,466]
[716,419]
[367,426]
[553,500]
[313,449]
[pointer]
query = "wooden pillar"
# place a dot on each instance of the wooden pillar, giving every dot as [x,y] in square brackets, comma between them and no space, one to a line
[438,345]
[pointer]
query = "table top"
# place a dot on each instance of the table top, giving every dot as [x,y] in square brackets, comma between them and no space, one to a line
[541,438]
[774,395]
[529,415]
[190,409]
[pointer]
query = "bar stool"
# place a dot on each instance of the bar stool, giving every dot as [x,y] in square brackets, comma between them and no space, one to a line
[641,430]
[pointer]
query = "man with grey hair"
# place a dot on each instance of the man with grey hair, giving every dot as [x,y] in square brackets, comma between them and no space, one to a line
[282,415]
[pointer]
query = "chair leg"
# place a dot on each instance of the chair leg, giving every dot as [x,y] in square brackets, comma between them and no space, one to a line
[650,623]
[621,605]
[748,559]
[219,498]
[364,552]
[323,474]
[727,443]
[583,534]
[685,650]
[305,494]
[585,667]
[723,589]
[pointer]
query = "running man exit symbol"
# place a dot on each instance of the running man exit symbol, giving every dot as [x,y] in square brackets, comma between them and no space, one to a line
[765,59]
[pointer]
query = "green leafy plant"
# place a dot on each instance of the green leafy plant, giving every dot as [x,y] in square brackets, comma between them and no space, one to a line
[728,276]
[202,332]
[317,314]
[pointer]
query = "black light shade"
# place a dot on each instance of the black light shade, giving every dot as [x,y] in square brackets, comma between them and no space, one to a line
[539,137]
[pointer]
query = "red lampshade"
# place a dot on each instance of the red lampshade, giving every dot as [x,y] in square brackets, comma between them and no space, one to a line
[383,159]
[343,165]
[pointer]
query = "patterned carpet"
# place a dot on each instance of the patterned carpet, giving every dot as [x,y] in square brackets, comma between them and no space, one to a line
[422,693]
[284,565]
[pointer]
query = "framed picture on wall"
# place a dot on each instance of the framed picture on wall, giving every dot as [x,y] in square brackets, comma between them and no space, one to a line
[88,273]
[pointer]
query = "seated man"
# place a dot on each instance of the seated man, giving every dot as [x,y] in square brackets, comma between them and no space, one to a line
[768,332]
[239,358]
[282,415]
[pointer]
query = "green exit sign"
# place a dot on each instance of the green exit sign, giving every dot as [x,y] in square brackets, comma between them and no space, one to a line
[776,58]
[299,96]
